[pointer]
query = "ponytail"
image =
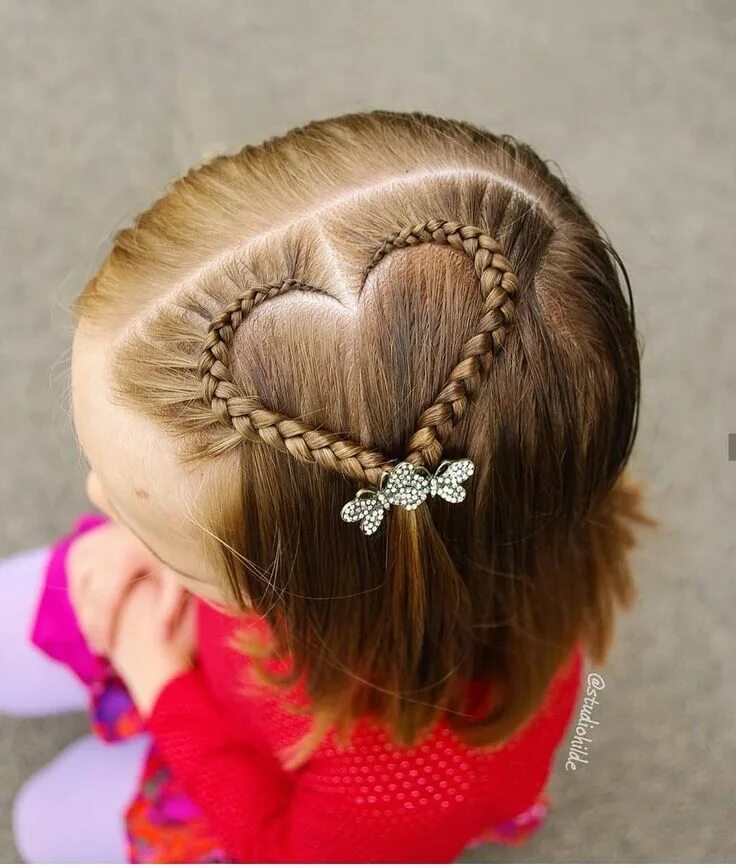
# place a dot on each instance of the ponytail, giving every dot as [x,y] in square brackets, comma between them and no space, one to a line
[429,619]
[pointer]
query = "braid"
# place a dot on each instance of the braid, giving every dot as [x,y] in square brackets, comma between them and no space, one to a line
[498,285]
[251,420]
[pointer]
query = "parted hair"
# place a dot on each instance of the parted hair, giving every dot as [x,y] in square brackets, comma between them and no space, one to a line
[374,288]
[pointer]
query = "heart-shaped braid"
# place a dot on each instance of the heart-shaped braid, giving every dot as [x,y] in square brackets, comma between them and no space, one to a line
[251,420]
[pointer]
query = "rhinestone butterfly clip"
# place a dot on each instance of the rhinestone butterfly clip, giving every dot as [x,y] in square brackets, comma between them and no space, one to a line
[408,486]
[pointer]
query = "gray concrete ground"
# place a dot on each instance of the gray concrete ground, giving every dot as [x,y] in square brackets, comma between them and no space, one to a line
[103,101]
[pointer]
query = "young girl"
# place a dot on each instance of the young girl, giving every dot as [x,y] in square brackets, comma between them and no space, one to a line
[357,405]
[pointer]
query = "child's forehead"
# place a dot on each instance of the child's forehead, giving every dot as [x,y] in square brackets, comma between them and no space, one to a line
[107,432]
[134,459]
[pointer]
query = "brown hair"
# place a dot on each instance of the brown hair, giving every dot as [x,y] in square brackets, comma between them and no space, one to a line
[362,290]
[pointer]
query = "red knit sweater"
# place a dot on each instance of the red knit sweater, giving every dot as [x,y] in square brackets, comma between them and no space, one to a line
[369,802]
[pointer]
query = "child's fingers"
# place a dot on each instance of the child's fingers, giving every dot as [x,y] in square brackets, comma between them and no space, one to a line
[119,579]
[171,604]
[186,629]
[114,601]
[103,567]
[188,617]
[76,586]
[98,615]
[98,600]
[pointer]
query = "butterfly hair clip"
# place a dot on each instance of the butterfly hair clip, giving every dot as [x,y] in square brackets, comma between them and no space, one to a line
[408,486]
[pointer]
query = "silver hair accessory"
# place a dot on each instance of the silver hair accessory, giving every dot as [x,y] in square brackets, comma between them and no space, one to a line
[408,486]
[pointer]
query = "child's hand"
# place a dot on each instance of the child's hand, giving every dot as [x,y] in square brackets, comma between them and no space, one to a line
[144,658]
[102,565]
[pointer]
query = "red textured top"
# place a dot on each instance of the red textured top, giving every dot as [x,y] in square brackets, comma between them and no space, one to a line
[369,802]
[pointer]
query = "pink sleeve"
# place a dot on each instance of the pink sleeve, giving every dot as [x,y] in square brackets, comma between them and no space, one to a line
[55,630]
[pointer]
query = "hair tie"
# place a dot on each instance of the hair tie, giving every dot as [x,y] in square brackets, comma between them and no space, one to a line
[407,486]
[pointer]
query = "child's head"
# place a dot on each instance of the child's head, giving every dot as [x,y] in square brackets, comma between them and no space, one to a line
[290,321]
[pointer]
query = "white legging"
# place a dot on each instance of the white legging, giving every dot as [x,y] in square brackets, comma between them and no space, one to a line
[72,810]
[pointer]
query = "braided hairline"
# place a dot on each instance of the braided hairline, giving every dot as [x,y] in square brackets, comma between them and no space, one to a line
[251,420]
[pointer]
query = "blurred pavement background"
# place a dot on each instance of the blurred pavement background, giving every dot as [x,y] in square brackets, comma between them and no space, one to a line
[102,102]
